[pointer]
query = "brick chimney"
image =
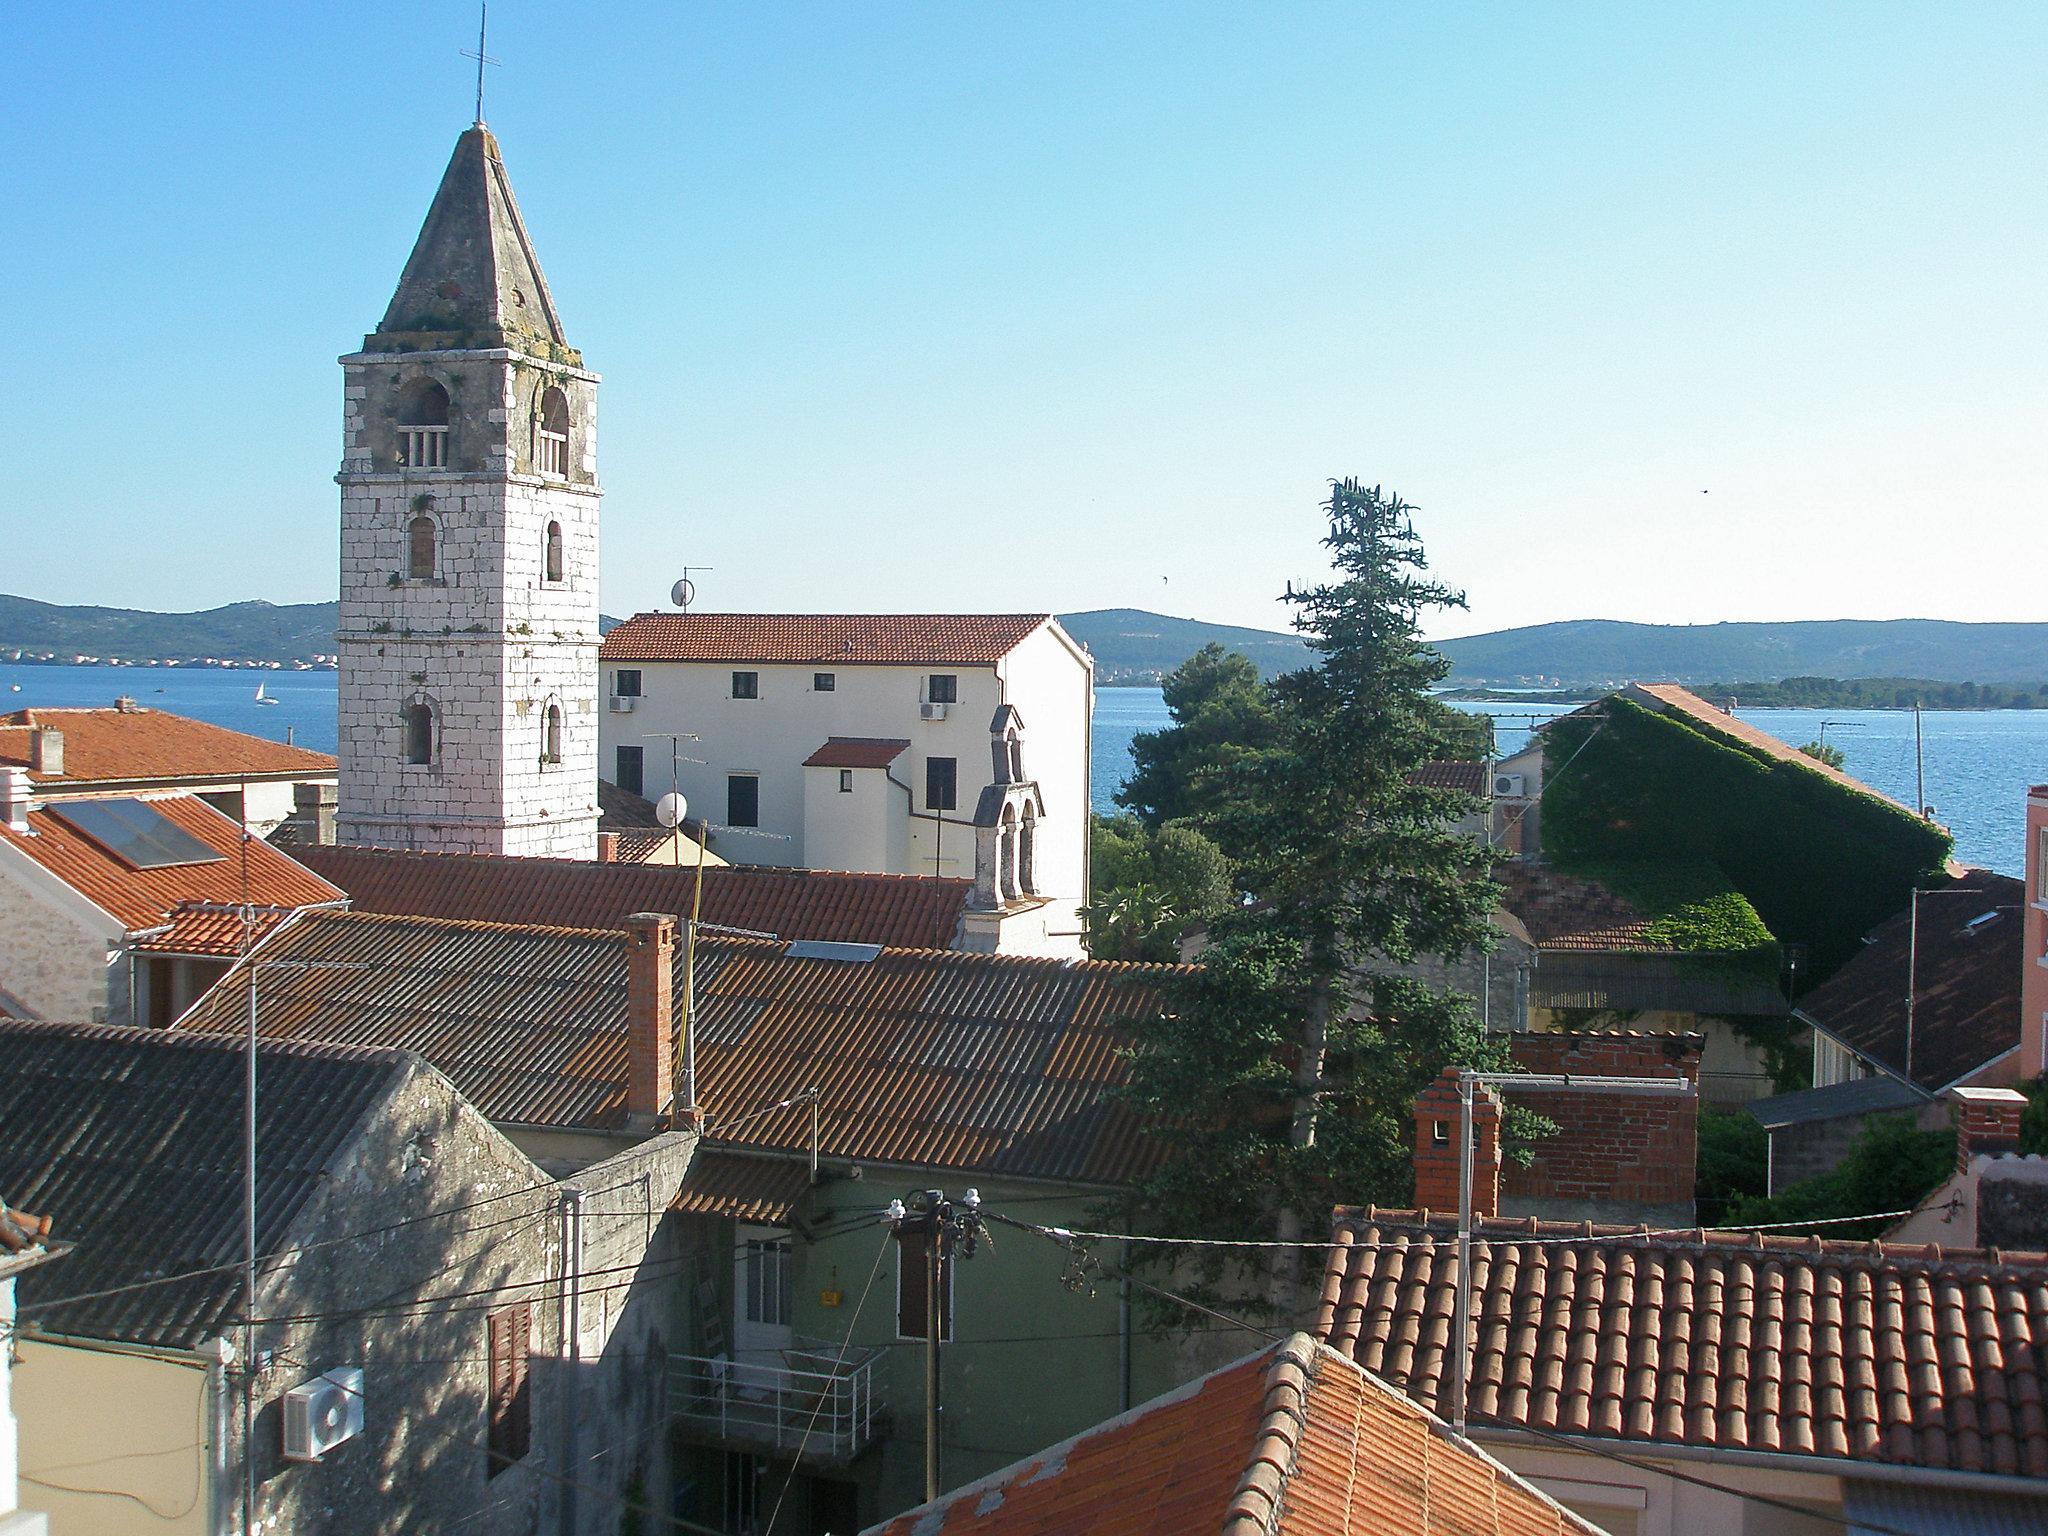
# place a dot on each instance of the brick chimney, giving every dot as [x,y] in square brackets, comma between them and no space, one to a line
[46,749]
[1436,1147]
[1987,1122]
[16,795]
[650,1015]
[607,847]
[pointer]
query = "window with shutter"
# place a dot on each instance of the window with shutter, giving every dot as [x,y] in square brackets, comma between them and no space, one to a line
[911,1273]
[510,1409]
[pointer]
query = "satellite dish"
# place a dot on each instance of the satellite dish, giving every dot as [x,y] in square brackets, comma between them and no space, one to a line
[670,809]
[683,593]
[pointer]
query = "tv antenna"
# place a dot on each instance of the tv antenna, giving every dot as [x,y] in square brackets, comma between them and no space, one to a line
[482,58]
[684,592]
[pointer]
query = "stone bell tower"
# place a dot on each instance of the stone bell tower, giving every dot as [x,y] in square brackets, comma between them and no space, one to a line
[468,638]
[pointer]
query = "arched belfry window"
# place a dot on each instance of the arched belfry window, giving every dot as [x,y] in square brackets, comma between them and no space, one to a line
[419,548]
[1027,852]
[551,734]
[553,566]
[551,434]
[419,732]
[423,426]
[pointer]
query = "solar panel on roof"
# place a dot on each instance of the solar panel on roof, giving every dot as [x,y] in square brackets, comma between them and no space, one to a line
[136,833]
[830,949]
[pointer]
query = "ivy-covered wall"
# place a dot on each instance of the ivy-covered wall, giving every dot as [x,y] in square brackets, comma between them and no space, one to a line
[1820,864]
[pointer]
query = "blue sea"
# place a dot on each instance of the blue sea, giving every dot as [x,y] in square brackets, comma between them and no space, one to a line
[1979,764]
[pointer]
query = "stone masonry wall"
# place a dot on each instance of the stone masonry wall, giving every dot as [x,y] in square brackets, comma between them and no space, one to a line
[1615,1157]
[488,642]
[55,968]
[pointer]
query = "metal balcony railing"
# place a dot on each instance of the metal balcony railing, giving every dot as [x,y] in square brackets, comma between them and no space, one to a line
[803,1407]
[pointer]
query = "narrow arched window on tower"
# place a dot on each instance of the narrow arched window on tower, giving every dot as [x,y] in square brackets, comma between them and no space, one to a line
[551,739]
[554,557]
[419,549]
[419,733]
[423,426]
[551,434]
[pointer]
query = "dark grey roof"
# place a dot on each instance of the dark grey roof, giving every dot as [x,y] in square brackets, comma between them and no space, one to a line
[1967,959]
[473,279]
[1858,1096]
[131,1140]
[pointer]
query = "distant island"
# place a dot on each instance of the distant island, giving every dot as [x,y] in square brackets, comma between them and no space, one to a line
[1886,663]
[1598,653]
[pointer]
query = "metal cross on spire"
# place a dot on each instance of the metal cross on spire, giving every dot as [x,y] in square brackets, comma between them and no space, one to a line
[482,58]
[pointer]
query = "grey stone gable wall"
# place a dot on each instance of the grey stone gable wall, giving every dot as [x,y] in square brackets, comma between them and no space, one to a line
[409,1305]
[488,642]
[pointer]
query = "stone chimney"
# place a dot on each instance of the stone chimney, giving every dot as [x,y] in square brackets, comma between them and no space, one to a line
[1987,1122]
[16,795]
[46,750]
[607,847]
[650,1017]
[313,808]
[1436,1147]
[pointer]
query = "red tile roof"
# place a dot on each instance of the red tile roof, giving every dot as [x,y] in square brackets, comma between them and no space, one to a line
[251,870]
[857,752]
[1292,1441]
[765,1190]
[139,746]
[1905,1356]
[1452,773]
[849,639]
[1563,911]
[995,1063]
[209,930]
[1966,983]
[902,911]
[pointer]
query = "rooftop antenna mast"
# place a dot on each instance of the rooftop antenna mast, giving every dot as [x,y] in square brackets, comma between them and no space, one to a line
[482,58]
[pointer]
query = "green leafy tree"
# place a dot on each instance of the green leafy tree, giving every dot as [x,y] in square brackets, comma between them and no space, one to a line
[1285,1078]
[1150,886]
[1893,1166]
[1821,752]
[1220,711]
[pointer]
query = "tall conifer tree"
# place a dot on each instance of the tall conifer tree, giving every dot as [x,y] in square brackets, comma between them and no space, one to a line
[1283,1082]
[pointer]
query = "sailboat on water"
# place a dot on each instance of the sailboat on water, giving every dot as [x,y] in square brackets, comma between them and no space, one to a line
[264,698]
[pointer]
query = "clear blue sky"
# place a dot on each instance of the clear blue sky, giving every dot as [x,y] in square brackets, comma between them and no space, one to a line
[1045,306]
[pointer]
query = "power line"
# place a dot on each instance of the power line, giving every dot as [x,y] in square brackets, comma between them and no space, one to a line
[844,1345]
[1861,1527]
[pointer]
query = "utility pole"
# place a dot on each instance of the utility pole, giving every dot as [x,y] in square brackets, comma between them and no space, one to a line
[949,1228]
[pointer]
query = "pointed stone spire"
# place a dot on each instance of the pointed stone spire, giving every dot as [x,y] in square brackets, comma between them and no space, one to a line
[473,280]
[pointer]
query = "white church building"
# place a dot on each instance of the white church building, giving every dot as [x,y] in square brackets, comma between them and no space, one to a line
[931,744]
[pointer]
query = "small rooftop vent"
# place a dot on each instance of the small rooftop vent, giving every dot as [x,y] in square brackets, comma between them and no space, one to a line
[826,949]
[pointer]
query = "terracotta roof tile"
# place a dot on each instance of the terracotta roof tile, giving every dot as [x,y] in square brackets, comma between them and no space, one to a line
[139,745]
[996,1063]
[766,1190]
[1889,1353]
[146,898]
[1452,773]
[850,639]
[1293,1441]
[1563,911]
[1966,996]
[857,752]
[902,911]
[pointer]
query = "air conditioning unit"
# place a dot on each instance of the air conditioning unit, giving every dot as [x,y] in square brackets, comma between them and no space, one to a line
[1508,784]
[323,1413]
[932,711]
[624,703]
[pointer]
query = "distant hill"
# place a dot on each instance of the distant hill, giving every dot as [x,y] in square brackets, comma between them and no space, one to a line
[1133,646]
[1596,651]
[238,632]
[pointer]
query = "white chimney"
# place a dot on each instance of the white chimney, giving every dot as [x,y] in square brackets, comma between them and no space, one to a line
[16,795]
[46,750]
